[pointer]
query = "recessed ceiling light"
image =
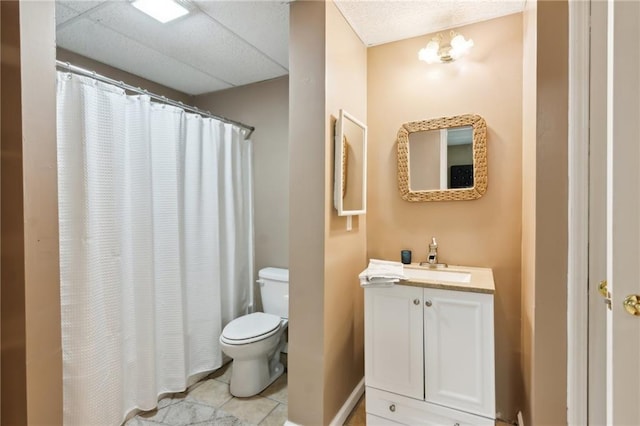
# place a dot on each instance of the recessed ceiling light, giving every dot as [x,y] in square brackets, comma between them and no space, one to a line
[161,10]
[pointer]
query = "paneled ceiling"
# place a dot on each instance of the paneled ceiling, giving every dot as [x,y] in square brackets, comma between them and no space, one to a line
[223,44]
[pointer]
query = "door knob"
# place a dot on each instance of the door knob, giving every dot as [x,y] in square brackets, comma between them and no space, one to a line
[603,288]
[632,304]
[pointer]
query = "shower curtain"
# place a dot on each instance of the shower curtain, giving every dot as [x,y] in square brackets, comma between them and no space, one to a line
[156,246]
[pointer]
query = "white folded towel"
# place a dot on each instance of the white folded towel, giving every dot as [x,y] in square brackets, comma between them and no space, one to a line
[382,273]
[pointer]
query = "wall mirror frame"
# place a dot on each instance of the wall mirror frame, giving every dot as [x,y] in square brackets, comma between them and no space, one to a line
[479,187]
[350,182]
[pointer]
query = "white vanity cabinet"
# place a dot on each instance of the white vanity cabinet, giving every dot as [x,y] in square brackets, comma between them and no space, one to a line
[429,356]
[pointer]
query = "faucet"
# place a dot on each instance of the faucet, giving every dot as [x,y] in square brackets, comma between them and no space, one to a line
[432,256]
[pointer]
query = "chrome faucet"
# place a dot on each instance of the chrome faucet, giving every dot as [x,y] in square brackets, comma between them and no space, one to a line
[432,256]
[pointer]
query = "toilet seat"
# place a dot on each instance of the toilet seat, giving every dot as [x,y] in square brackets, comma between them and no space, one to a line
[250,328]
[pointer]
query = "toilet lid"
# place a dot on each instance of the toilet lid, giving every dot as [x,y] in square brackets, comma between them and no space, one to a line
[250,326]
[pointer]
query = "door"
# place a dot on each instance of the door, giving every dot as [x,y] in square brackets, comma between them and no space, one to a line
[393,340]
[623,212]
[596,409]
[459,350]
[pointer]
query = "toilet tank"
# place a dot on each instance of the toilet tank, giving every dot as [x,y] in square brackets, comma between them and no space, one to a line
[274,290]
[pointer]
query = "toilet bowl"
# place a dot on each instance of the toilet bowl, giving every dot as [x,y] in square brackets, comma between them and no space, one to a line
[254,341]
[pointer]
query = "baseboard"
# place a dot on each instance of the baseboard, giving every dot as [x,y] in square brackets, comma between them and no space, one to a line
[348,405]
[346,408]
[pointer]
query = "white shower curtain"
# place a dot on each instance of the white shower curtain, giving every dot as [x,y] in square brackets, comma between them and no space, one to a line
[156,246]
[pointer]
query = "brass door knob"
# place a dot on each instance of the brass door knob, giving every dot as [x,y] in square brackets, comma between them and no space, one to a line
[603,288]
[631,304]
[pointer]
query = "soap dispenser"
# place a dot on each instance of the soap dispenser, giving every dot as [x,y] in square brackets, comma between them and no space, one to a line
[432,256]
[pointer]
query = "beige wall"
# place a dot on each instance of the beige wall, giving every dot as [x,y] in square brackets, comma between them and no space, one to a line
[345,251]
[307,210]
[13,353]
[31,355]
[326,357]
[265,106]
[484,232]
[528,198]
[544,301]
[120,75]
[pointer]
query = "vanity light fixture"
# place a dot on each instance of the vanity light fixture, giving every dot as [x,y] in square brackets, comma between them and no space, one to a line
[437,51]
[161,10]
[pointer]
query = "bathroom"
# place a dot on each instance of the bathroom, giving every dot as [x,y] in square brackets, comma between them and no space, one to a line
[326,331]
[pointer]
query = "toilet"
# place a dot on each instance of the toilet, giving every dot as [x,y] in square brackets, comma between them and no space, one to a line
[255,341]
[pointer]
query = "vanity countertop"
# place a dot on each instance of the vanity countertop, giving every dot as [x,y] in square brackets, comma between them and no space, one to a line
[481,279]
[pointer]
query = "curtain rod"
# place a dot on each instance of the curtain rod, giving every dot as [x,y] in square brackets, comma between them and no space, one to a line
[164,99]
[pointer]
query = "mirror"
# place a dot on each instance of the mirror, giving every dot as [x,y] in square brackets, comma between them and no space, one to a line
[350,183]
[443,159]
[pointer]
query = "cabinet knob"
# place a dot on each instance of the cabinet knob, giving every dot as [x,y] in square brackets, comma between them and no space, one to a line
[456,424]
[416,301]
[428,303]
[392,408]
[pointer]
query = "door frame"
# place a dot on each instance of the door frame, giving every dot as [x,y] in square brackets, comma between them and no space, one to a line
[578,212]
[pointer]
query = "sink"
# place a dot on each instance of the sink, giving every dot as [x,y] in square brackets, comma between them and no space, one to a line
[437,275]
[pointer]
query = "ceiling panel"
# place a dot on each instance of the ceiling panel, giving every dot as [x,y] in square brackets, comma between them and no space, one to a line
[264,24]
[102,44]
[378,22]
[82,6]
[64,13]
[222,44]
[196,40]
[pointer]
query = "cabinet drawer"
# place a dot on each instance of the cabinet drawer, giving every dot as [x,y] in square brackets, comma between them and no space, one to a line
[407,411]
[379,421]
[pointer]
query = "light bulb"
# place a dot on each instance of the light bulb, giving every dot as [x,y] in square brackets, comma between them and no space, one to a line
[460,46]
[433,53]
[429,54]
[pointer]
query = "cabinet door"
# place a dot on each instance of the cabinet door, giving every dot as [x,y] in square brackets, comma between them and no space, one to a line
[458,348]
[393,340]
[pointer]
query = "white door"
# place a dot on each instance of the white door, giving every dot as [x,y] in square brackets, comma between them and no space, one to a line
[623,212]
[393,340]
[459,350]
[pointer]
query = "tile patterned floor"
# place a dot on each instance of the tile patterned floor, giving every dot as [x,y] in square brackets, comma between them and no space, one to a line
[209,402]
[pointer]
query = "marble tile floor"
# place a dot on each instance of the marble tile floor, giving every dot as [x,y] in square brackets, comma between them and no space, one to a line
[209,402]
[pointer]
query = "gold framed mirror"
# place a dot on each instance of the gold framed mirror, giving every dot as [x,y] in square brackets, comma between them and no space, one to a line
[443,159]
